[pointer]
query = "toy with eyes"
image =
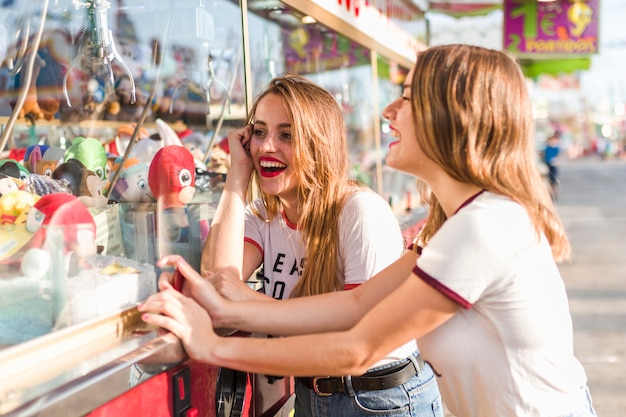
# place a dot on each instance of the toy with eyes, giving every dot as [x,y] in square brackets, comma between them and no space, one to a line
[33,155]
[122,139]
[62,210]
[172,180]
[82,182]
[172,176]
[9,184]
[90,153]
[13,169]
[46,164]
[132,185]
[67,219]
[15,206]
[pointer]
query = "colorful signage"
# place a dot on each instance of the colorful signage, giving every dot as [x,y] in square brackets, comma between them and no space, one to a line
[308,49]
[376,24]
[561,28]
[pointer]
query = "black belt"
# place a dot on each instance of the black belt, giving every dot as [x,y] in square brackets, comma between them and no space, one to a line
[371,381]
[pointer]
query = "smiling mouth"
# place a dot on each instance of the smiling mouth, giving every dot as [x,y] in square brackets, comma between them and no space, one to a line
[271,168]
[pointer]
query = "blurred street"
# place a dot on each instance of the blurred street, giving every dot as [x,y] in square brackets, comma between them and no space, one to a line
[592,205]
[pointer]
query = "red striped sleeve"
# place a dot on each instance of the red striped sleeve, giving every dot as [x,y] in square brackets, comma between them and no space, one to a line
[442,288]
[252,242]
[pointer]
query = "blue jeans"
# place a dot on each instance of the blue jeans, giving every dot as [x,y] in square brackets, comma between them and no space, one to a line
[418,397]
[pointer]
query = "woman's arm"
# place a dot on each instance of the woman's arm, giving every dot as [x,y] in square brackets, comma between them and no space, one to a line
[224,248]
[413,309]
[321,313]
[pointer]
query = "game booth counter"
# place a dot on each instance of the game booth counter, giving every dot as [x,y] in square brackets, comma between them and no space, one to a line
[113,153]
[71,339]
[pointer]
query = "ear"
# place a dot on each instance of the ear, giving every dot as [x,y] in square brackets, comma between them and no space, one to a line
[34,158]
[167,134]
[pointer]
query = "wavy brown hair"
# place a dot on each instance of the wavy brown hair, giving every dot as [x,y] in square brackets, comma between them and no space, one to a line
[320,160]
[473,109]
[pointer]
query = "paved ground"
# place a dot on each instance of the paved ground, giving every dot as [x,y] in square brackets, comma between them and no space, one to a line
[592,205]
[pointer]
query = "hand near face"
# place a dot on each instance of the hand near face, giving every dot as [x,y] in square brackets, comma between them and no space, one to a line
[239,148]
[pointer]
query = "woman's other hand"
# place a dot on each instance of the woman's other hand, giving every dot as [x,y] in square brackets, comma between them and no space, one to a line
[184,317]
[193,286]
[232,288]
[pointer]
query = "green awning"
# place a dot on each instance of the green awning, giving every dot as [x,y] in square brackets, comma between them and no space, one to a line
[534,68]
[468,8]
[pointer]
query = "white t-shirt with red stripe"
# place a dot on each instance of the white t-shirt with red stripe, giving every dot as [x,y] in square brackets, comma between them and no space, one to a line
[369,240]
[509,349]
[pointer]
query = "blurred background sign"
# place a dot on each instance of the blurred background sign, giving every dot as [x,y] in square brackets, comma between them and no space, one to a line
[551,29]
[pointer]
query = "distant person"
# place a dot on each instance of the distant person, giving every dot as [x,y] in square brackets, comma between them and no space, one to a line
[601,147]
[550,154]
[481,292]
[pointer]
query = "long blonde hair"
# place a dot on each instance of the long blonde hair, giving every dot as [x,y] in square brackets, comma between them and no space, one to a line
[473,109]
[320,159]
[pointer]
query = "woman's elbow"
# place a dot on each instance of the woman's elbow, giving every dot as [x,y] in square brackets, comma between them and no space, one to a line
[358,356]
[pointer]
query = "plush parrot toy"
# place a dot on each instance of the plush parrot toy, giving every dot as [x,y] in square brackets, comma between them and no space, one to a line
[172,176]
[172,179]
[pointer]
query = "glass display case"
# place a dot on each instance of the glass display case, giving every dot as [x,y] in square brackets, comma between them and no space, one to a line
[97,99]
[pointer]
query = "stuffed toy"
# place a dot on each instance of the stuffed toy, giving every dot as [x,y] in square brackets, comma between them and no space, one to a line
[15,205]
[91,153]
[172,176]
[8,184]
[66,211]
[46,164]
[132,185]
[172,180]
[14,169]
[31,107]
[82,182]
[124,133]
[33,155]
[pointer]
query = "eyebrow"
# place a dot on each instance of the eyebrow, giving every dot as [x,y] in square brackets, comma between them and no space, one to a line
[282,125]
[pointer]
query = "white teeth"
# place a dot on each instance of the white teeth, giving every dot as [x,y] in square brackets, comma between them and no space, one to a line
[271,164]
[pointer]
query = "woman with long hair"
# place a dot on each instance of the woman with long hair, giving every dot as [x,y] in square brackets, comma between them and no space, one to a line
[313,230]
[480,291]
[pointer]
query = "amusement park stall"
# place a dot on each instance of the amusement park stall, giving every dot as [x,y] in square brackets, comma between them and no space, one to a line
[106,109]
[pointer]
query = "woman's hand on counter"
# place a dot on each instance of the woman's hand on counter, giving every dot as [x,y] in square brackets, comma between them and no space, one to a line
[193,285]
[233,288]
[184,317]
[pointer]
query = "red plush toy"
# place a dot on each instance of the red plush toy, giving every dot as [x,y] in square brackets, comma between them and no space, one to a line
[68,212]
[172,176]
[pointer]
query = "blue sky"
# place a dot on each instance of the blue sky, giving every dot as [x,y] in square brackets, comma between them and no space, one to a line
[605,83]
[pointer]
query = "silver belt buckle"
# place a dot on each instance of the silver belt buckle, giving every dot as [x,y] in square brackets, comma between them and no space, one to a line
[317,390]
